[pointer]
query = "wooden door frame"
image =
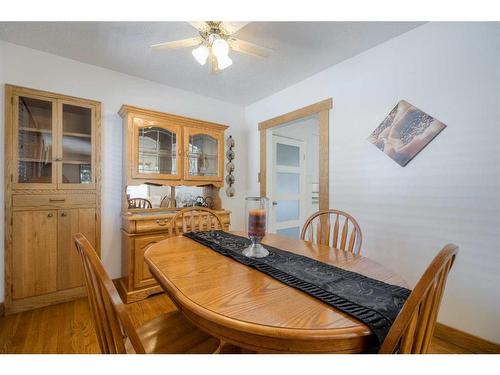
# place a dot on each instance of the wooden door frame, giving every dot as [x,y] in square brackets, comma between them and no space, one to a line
[322,109]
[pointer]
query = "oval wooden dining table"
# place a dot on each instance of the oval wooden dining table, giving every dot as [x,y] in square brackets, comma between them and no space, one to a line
[250,309]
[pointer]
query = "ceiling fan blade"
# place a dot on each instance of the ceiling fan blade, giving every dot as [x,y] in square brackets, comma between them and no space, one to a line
[182,43]
[230,28]
[243,46]
[200,26]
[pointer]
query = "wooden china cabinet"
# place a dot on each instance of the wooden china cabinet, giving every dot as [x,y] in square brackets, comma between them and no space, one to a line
[52,191]
[168,150]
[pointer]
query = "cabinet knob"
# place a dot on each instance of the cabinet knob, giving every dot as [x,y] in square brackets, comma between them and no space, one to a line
[50,215]
[64,214]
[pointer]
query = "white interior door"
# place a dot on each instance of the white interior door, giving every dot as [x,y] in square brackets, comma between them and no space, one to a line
[287,186]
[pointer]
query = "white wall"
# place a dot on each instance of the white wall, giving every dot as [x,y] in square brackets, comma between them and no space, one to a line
[35,69]
[450,191]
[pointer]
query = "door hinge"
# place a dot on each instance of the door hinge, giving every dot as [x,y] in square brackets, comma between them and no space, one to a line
[258,177]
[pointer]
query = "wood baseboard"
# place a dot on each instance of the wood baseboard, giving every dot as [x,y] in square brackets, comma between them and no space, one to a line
[465,340]
[2,309]
[43,300]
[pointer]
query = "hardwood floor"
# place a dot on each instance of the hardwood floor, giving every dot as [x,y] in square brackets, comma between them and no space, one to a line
[67,328]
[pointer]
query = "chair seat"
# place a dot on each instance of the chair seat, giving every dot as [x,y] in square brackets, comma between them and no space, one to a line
[171,333]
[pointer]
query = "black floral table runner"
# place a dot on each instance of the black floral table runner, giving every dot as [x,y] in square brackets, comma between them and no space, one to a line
[371,301]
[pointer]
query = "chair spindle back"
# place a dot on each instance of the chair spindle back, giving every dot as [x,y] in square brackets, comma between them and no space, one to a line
[139,203]
[195,219]
[111,320]
[412,331]
[333,228]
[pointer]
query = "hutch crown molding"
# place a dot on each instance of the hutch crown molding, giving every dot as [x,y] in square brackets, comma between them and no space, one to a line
[168,150]
[52,191]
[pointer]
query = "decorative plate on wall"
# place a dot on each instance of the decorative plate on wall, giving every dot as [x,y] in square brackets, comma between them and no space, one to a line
[230,190]
[405,132]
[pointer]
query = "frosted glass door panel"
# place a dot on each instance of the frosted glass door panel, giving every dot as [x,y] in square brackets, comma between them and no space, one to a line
[35,141]
[288,210]
[287,155]
[203,155]
[157,151]
[76,144]
[287,183]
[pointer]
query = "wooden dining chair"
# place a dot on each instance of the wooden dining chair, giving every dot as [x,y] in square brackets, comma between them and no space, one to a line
[412,331]
[324,228]
[195,219]
[139,203]
[168,333]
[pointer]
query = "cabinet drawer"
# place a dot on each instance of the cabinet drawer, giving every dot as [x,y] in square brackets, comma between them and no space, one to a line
[52,200]
[153,225]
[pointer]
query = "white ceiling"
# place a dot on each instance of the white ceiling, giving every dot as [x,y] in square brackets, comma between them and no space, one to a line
[301,49]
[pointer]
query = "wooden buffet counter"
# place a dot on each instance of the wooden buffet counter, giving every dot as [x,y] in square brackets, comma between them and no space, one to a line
[140,229]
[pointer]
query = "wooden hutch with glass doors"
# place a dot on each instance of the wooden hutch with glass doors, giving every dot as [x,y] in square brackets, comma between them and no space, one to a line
[163,155]
[52,191]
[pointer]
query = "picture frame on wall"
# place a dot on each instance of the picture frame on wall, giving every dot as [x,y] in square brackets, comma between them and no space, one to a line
[405,132]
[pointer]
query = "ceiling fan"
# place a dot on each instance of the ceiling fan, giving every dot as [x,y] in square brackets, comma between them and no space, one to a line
[214,42]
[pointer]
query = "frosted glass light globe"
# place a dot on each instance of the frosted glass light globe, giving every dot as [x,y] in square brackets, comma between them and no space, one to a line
[223,62]
[201,54]
[220,47]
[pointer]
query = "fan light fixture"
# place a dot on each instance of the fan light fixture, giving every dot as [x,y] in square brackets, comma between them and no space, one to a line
[201,54]
[223,62]
[214,42]
[219,47]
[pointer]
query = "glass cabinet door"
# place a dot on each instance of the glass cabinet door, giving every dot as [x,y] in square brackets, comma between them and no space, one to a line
[34,140]
[156,150]
[204,153]
[76,147]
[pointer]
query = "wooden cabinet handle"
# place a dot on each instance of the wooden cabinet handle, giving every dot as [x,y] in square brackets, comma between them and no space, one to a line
[64,214]
[50,215]
[161,222]
[57,199]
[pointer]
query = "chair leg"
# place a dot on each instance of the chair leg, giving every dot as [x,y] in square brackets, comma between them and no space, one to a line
[217,351]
